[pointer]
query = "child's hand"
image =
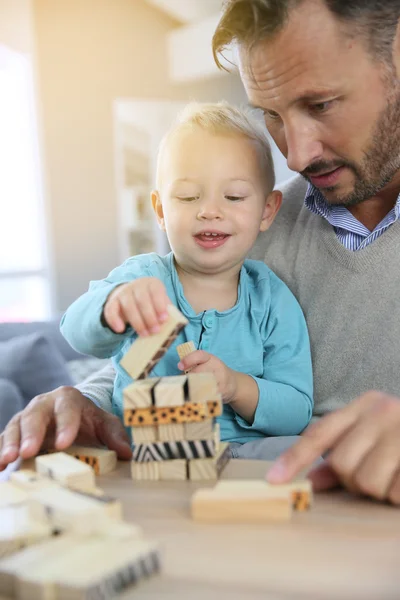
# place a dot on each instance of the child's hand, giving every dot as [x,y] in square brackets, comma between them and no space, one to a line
[203,362]
[142,304]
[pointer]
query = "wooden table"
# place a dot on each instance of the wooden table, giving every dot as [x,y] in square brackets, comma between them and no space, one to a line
[343,548]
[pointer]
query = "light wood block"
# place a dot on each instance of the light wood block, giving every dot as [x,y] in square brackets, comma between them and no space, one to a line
[171,391]
[202,387]
[101,460]
[171,432]
[241,504]
[173,470]
[200,431]
[188,413]
[145,352]
[29,480]
[148,471]
[140,394]
[67,470]
[144,435]
[210,468]
[185,349]
[19,529]
[299,492]
[11,494]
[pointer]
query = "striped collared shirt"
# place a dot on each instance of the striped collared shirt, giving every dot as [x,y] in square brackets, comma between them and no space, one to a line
[350,232]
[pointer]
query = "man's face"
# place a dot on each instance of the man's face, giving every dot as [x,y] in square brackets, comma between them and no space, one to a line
[332,110]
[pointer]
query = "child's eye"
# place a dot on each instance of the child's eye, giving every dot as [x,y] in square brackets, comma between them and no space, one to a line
[234,198]
[187,198]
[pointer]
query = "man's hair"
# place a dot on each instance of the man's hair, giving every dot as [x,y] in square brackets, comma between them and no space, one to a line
[248,22]
[221,118]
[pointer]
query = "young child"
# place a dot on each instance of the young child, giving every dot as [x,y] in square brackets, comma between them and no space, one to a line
[214,195]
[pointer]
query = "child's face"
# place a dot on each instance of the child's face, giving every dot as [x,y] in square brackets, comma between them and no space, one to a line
[212,202]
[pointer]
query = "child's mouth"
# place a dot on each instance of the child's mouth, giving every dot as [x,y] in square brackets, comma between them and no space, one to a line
[211,240]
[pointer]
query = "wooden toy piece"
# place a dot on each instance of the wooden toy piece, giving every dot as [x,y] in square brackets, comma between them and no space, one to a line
[140,394]
[19,529]
[15,565]
[11,494]
[199,431]
[241,504]
[170,450]
[145,352]
[114,568]
[173,470]
[171,391]
[171,432]
[189,412]
[102,460]
[210,468]
[148,471]
[66,510]
[202,387]
[29,480]
[299,492]
[184,350]
[67,470]
[144,435]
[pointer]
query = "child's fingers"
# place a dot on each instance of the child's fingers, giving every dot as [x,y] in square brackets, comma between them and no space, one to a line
[133,314]
[160,300]
[144,302]
[113,315]
[194,359]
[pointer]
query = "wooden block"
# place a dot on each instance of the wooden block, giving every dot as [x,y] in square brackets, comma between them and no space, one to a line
[67,510]
[299,492]
[171,391]
[147,471]
[143,435]
[185,349]
[19,529]
[114,568]
[11,494]
[210,468]
[29,480]
[140,394]
[188,413]
[101,460]
[170,450]
[67,470]
[145,352]
[199,431]
[203,387]
[241,505]
[173,470]
[171,432]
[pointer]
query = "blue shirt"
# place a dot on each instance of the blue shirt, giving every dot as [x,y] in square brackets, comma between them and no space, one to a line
[350,232]
[263,335]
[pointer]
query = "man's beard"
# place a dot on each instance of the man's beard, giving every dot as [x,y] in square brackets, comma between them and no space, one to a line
[381,159]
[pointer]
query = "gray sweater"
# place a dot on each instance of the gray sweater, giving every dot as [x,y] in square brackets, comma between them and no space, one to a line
[349,300]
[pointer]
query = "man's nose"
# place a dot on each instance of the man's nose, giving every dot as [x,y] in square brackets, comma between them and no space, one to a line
[303,146]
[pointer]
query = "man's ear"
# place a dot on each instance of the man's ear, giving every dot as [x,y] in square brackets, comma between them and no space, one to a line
[272,206]
[158,209]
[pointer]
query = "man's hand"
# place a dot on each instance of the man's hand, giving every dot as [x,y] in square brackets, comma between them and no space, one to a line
[142,304]
[363,445]
[57,420]
[203,362]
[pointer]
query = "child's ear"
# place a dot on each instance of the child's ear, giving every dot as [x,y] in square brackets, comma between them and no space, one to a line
[272,206]
[158,209]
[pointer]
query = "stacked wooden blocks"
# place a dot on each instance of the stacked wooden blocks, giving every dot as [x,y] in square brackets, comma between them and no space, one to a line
[61,538]
[173,427]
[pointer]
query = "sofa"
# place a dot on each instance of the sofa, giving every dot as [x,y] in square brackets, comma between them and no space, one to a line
[34,359]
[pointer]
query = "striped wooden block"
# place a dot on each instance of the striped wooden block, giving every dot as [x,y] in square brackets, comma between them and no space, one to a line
[210,468]
[170,450]
[145,352]
[189,413]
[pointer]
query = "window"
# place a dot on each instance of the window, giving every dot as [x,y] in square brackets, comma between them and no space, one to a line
[24,277]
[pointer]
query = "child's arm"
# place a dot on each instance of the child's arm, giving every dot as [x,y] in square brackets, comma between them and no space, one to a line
[99,387]
[85,324]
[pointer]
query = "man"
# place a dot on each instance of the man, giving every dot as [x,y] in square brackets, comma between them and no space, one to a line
[325,75]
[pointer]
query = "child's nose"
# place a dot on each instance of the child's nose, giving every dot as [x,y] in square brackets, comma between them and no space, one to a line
[210,210]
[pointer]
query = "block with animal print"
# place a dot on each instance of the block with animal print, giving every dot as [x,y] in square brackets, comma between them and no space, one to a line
[188,413]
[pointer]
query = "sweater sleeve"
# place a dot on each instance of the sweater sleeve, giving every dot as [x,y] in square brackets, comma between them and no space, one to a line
[81,323]
[99,387]
[286,388]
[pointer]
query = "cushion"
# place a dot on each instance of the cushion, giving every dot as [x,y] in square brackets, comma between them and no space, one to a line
[34,364]
[80,369]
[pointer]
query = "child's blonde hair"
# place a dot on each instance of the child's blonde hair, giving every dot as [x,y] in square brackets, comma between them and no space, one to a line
[223,118]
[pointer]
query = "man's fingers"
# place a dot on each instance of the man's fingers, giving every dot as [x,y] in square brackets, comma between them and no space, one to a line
[113,435]
[315,441]
[68,417]
[323,478]
[10,442]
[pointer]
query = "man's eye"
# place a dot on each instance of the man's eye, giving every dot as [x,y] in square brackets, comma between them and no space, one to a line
[234,198]
[321,107]
[271,115]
